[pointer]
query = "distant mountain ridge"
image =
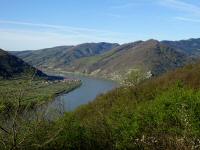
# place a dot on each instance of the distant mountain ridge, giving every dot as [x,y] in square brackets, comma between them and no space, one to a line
[191,46]
[112,60]
[149,55]
[63,55]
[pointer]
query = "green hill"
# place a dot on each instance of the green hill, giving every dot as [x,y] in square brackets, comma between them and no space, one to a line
[110,60]
[150,55]
[63,56]
[11,66]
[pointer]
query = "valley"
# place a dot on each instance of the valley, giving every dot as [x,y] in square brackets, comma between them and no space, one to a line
[154,96]
[100,75]
[111,61]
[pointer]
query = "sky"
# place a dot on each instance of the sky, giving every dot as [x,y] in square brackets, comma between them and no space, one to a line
[36,24]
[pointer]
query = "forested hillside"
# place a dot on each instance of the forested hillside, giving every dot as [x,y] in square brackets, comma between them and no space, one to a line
[159,113]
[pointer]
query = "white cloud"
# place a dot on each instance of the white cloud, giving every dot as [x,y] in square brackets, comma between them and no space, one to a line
[58,27]
[35,36]
[187,19]
[182,6]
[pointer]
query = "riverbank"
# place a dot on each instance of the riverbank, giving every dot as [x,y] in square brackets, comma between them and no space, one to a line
[96,76]
[32,93]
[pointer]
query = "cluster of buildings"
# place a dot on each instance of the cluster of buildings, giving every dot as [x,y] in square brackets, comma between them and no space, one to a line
[65,80]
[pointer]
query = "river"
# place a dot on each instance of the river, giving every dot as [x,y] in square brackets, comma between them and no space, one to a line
[88,91]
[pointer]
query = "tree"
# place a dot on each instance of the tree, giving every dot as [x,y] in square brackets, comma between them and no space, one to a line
[19,127]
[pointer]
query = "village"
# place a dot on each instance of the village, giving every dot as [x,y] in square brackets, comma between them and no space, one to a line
[65,80]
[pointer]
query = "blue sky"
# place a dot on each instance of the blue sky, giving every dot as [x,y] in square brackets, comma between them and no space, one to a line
[34,24]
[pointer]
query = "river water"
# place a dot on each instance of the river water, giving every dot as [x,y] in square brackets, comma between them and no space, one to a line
[88,91]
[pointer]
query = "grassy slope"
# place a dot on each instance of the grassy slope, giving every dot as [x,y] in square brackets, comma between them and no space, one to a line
[162,113]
